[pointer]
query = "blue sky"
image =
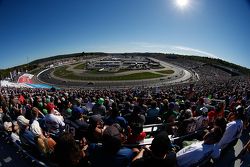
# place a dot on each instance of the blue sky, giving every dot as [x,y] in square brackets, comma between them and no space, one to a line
[31,29]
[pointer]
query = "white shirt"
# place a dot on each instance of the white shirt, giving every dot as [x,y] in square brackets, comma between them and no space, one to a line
[35,128]
[15,137]
[233,131]
[53,123]
[194,154]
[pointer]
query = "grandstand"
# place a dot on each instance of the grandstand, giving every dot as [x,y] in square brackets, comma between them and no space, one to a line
[87,120]
[122,62]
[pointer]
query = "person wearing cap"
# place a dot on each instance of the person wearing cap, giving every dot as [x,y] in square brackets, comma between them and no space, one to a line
[110,153]
[95,128]
[26,136]
[202,120]
[51,107]
[53,123]
[7,126]
[67,111]
[76,124]
[78,108]
[99,108]
[160,153]
[12,129]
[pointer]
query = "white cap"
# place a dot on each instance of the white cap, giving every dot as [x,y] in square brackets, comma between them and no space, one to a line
[22,121]
[7,126]
[204,109]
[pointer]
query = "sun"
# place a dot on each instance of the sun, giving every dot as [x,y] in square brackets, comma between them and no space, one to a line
[182,3]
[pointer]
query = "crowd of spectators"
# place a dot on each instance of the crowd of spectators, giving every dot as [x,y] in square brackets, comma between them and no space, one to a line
[205,71]
[77,127]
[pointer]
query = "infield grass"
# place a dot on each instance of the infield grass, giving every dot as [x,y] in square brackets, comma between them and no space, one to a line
[80,66]
[166,71]
[61,72]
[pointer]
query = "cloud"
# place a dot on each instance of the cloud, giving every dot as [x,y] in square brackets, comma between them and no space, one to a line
[171,48]
[195,51]
[150,47]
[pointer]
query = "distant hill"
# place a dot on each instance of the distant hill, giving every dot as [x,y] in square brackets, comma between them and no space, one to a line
[37,63]
[66,56]
[218,63]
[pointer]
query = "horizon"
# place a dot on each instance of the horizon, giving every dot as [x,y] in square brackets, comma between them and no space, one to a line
[35,30]
[216,58]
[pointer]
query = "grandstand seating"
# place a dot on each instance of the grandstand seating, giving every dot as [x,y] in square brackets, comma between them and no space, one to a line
[228,92]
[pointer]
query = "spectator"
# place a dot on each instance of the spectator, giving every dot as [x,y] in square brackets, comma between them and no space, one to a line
[54,123]
[78,108]
[77,125]
[202,120]
[95,129]
[26,136]
[99,108]
[111,153]
[68,152]
[164,107]
[187,124]
[198,152]
[233,131]
[159,155]
[67,112]
[152,113]
[13,129]
[135,116]
[115,117]
[136,133]
[200,104]
[45,144]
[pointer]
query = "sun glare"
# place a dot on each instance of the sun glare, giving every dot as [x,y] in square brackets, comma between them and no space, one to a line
[182,3]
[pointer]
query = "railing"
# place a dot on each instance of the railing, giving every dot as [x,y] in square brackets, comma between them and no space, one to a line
[21,151]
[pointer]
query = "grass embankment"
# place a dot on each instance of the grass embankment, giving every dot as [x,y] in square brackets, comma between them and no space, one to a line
[63,73]
[80,66]
[166,71]
[96,71]
[35,71]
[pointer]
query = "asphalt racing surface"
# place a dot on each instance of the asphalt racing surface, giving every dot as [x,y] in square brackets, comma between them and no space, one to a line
[180,76]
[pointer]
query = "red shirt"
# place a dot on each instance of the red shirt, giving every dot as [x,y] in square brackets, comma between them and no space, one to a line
[132,139]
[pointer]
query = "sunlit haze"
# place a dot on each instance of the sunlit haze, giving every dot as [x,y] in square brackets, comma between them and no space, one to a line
[182,3]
